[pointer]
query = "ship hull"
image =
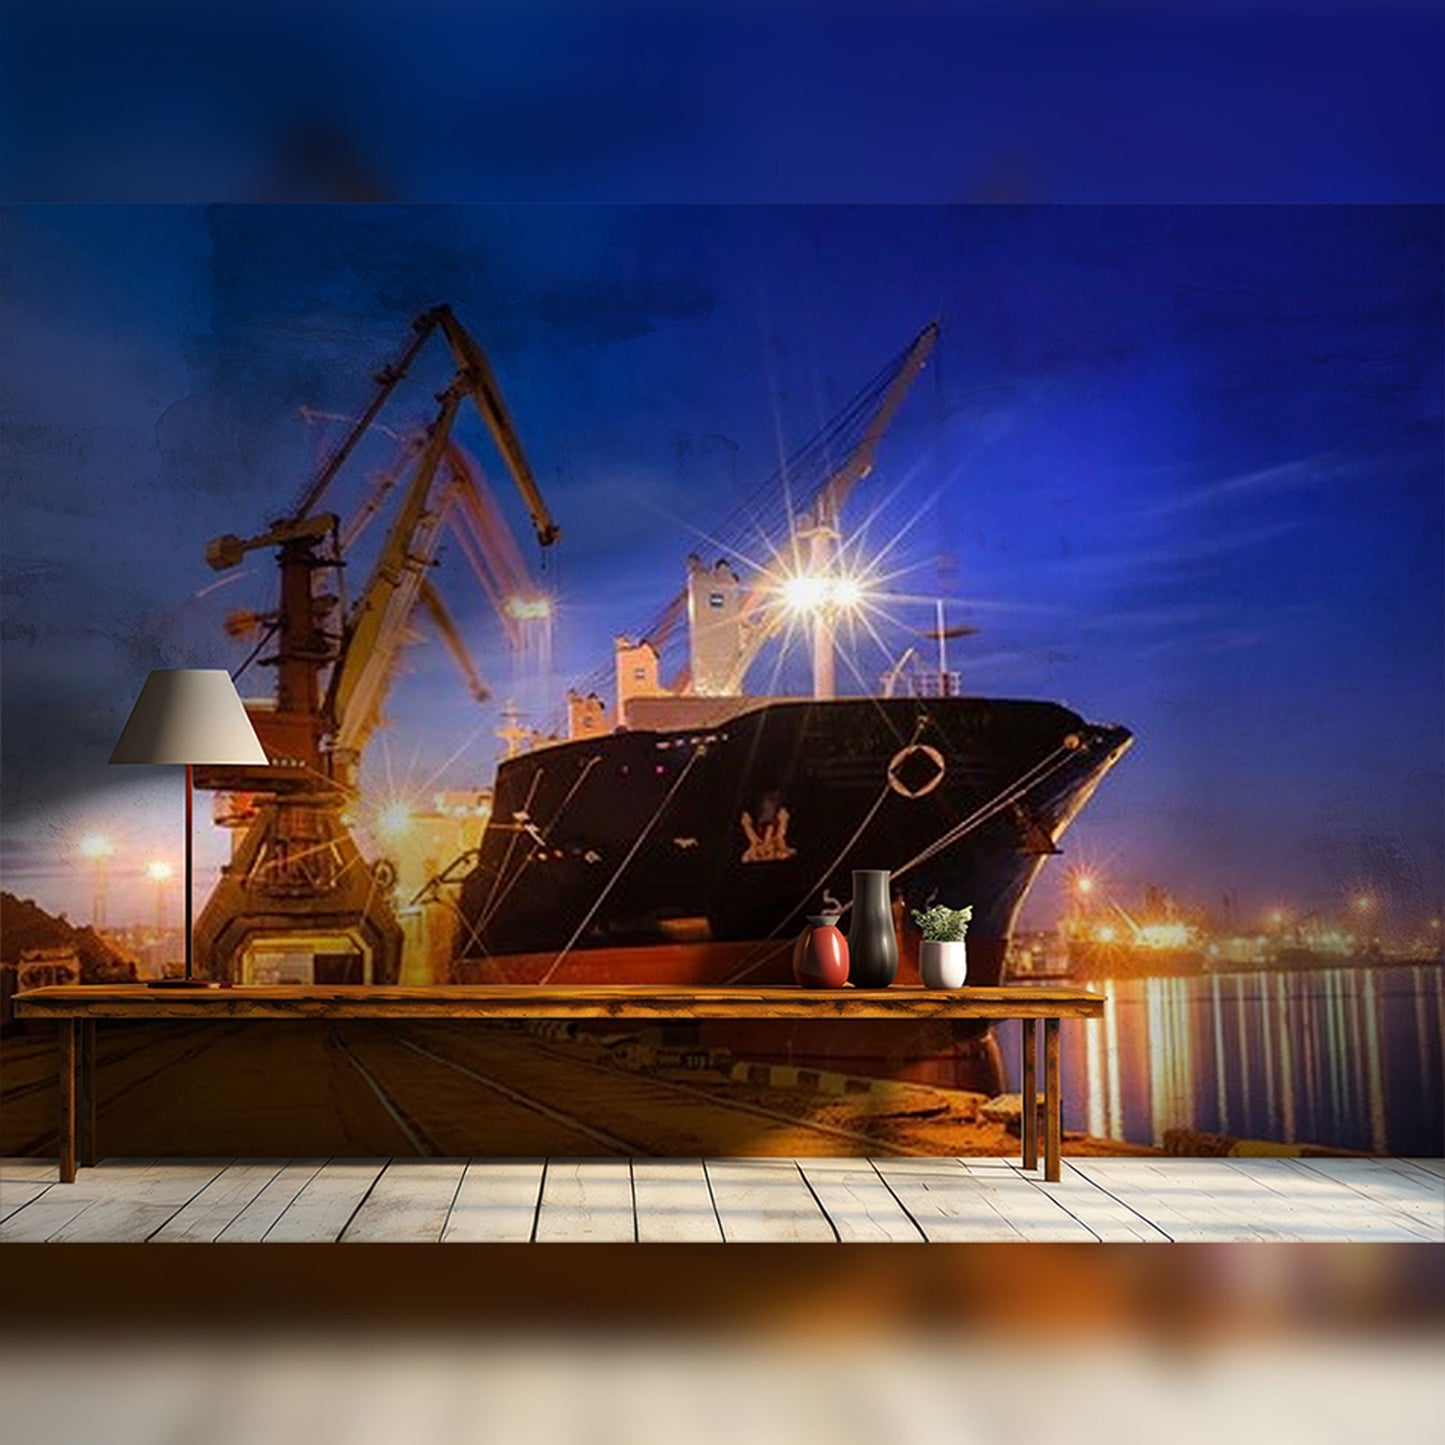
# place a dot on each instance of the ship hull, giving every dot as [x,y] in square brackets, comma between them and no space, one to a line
[733,833]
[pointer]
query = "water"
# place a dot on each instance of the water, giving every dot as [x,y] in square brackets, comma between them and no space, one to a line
[1346,1057]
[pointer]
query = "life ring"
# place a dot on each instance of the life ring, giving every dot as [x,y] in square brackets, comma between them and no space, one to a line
[905,772]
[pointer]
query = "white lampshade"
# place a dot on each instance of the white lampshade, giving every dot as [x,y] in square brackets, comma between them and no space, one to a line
[189,715]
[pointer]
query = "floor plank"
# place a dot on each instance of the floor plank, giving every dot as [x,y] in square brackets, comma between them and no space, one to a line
[1422,1200]
[326,1202]
[496,1203]
[586,1200]
[1194,1201]
[859,1204]
[1307,1205]
[1106,1218]
[674,1203]
[947,1201]
[128,1205]
[766,1201]
[205,1217]
[1430,1166]
[952,1201]
[17,1193]
[252,1223]
[29,1171]
[409,1204]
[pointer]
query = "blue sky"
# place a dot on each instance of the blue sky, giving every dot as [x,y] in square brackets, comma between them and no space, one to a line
[1181,466]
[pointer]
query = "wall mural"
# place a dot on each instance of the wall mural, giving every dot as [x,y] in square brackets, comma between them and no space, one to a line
[606,585]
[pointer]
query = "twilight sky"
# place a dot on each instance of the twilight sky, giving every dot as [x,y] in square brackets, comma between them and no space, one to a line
[1182,466]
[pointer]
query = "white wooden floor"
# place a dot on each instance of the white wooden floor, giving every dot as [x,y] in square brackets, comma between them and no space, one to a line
[722,1200]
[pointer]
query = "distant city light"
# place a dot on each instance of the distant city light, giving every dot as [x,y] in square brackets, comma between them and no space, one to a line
[159,870]
[1276,917]
[1365,903]
[96,846]
[1164,935]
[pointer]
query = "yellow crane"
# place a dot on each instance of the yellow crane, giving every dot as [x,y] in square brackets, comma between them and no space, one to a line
[297,885]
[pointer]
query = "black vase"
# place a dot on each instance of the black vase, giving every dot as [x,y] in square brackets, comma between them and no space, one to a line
[872,944]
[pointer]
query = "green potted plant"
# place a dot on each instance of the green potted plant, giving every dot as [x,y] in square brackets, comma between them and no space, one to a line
[943,955]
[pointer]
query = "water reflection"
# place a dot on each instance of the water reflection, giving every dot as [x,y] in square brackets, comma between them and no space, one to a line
[1348,1057]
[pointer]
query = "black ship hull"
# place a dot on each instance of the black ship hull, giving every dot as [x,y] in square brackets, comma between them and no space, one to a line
[732,833]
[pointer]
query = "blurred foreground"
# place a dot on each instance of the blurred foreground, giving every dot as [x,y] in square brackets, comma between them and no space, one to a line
[1024,1344]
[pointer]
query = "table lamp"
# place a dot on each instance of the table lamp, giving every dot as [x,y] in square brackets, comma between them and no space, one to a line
[188,715]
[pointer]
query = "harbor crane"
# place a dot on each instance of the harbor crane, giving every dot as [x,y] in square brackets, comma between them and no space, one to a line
[297,887]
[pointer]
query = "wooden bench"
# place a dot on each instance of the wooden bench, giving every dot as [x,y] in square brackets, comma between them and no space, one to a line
[78,1007]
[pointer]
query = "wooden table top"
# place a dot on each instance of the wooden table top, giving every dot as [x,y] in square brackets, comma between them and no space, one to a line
[547,1001]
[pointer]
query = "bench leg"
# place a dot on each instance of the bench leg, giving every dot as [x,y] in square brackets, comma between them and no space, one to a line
[1053,1104]
[67,1100]
[87,1102]
[1029,1097]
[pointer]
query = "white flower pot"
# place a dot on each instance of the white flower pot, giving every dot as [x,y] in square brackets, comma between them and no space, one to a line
[943,965]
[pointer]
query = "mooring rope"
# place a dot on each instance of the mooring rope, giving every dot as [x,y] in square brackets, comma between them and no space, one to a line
[1008,794]
[552,822]
[752,961]
[1050,765]
[512,842]
[621,868]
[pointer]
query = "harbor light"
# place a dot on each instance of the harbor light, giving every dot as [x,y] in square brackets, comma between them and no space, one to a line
[1276,918]
[811,591]
[1084,884]
[1364,903]
[95,846]
[805,592]
[1106,934]
[394,820]
[1164,935]
[158,871]
[529,609]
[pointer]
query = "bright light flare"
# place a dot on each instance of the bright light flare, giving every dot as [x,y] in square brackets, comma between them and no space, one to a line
[805,593]
[1364,903]
[96,846]
[529,609]
[394,820]
[809,592]
[158,871]
[1084,884]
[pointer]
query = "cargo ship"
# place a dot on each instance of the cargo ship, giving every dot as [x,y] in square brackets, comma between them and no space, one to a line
[682,832]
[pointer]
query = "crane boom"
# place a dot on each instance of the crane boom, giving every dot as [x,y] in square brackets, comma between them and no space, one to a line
[373,633]
[451,635]
[475,372]
[834,492]
[386,382]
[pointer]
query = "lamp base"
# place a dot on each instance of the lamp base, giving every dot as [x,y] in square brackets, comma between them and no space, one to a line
[187,983]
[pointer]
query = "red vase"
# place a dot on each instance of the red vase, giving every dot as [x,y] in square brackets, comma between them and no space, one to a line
[820,956]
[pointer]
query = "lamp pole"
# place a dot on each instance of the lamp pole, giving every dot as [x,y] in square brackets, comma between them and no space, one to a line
[189,831]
